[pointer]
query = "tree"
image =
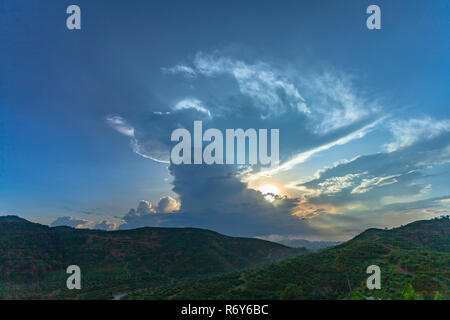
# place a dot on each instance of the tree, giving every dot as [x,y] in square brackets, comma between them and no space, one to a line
[410,294]
[292,292]
[341,264]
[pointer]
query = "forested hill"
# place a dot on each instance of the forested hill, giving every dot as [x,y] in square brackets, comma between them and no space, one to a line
[414,261]
[34,257]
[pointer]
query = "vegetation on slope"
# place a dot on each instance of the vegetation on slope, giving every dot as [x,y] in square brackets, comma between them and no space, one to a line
[33,258]
[414,262]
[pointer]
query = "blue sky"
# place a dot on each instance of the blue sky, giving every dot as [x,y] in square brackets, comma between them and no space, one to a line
[369,148]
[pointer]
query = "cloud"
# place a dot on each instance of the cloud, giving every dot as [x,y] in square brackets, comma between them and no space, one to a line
[152,129]
[256,95]
[191,103]
[407,132]
[248,95]
[144,207]
[303,156]
[213,197]
[219,200]
[180,69]
[369,181]
[345,200]
[346,225]
[274,93]
[329,111]
[143,215]
[120,124]
[72,222]
[159,150]
[107,225]
[336,102]
[167,204]
[147,215]
[78,223]
[337,184]
[368,184]
[333,102]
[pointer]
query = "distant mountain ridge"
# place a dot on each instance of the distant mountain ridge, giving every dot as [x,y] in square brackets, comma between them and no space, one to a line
[35,257]
[12,219]
[414,261]
[310,245]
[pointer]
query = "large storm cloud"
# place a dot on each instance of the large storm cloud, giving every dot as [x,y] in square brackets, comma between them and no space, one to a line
[314,113]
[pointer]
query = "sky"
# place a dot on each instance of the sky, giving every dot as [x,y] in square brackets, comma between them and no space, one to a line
[86,115]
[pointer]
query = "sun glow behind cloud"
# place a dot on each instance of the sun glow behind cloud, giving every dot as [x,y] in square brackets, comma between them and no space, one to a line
[269,191]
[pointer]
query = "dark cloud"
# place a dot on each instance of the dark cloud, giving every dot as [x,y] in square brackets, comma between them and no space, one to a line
[213,197]
[233,94]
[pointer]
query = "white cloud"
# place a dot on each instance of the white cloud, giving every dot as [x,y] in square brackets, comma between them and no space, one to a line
[274,97]
[167,204]
[370,183]
[182,69]
[335,103]
[107,225]
[143,210]
[79,223]
[120,124]
[337,184]
[73,222]
[191,103]
[259,81]
[303,156]
[158,155]
[144,207]
[408,132]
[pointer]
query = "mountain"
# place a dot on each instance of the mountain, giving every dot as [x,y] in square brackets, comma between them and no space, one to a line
[310,245]
[34,257]
[12,219]
[414,261]
[189,263]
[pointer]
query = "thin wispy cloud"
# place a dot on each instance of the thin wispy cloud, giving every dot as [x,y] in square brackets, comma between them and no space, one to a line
[304,156]
[120,124]
[336,102]
[193,103]
[180,69]
[407,132]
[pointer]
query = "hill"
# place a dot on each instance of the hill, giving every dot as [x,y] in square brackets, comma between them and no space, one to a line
[414,262]
[310,245]
[34,257]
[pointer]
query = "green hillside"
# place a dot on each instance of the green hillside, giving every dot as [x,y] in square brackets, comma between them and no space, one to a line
[34,257]
[414,262]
